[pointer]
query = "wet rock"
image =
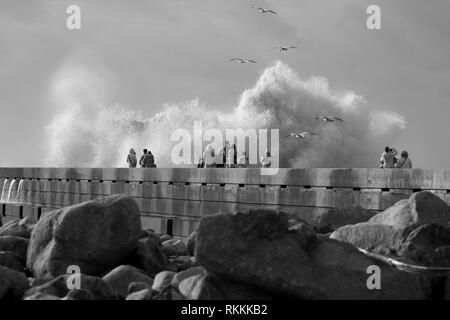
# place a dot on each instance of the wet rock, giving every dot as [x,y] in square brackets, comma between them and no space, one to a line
[94,235]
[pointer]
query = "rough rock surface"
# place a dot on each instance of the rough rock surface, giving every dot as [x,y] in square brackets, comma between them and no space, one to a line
[257,249]
[94,235]
[58,287]
[145,294]
[421,208]
[13,284]
[428,245]
[17,227]
[174,247]
[338,217]
[149,256]
[16,245]
[8,259]
[121,277]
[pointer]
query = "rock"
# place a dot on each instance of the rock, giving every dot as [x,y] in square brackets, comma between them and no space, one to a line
[428,245]
[163,281]
[149,256]
[79,294]
[165,237]
[190,243]
[8,259]
[201,287]
[16,245]
[121,277]
[174,247]
[370,236]
[145,294]
[338,217]
[94,235]
[180,276]
[182,262]
[18,227]
[41,296]
[421,208]
[58,287]
[257,249]
[136,286]
[13,284]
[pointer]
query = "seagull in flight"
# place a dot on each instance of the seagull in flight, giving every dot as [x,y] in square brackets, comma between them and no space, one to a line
[239,60]
[262,10]
[329,118]
[284,48]
[301,134]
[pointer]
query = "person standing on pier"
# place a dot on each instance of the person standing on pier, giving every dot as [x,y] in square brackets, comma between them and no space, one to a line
[387,158]
[142,158]
[404,162]
[131,159]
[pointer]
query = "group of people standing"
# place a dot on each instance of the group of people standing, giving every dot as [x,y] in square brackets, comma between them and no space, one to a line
[389,160]
[147,159]
[227,157]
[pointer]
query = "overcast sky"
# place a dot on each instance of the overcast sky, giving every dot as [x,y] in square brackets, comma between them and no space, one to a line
[150,52]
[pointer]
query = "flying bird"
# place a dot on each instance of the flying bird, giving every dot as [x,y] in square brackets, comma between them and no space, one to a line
[262,10]
[329,118]
[301,134]
[239,60]
[284,48]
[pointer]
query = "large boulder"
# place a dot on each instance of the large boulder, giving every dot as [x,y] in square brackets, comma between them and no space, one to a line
[17,245]
[388,229]
[18,227]
[257,249]
[8,259]
[121,277]
[428,245]
[370,236]
[421,208]
[59,287]
[338,217]
[94,235]
[13,284]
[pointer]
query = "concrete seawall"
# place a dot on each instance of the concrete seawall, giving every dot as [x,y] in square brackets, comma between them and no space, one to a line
[173,200]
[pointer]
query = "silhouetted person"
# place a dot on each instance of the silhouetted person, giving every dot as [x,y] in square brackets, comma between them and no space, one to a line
[131,159]
[149,160]
[266,159]
[243,160]
[404,162]
[142,158]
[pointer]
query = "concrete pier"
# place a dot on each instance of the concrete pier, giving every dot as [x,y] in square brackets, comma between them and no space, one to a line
[173,200]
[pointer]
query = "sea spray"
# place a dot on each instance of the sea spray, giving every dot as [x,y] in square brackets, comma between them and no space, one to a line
[89,136]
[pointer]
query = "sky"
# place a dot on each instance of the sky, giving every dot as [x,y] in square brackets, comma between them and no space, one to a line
[144,54]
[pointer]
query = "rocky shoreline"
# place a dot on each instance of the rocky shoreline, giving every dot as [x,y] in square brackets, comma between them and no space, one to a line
[97,250]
